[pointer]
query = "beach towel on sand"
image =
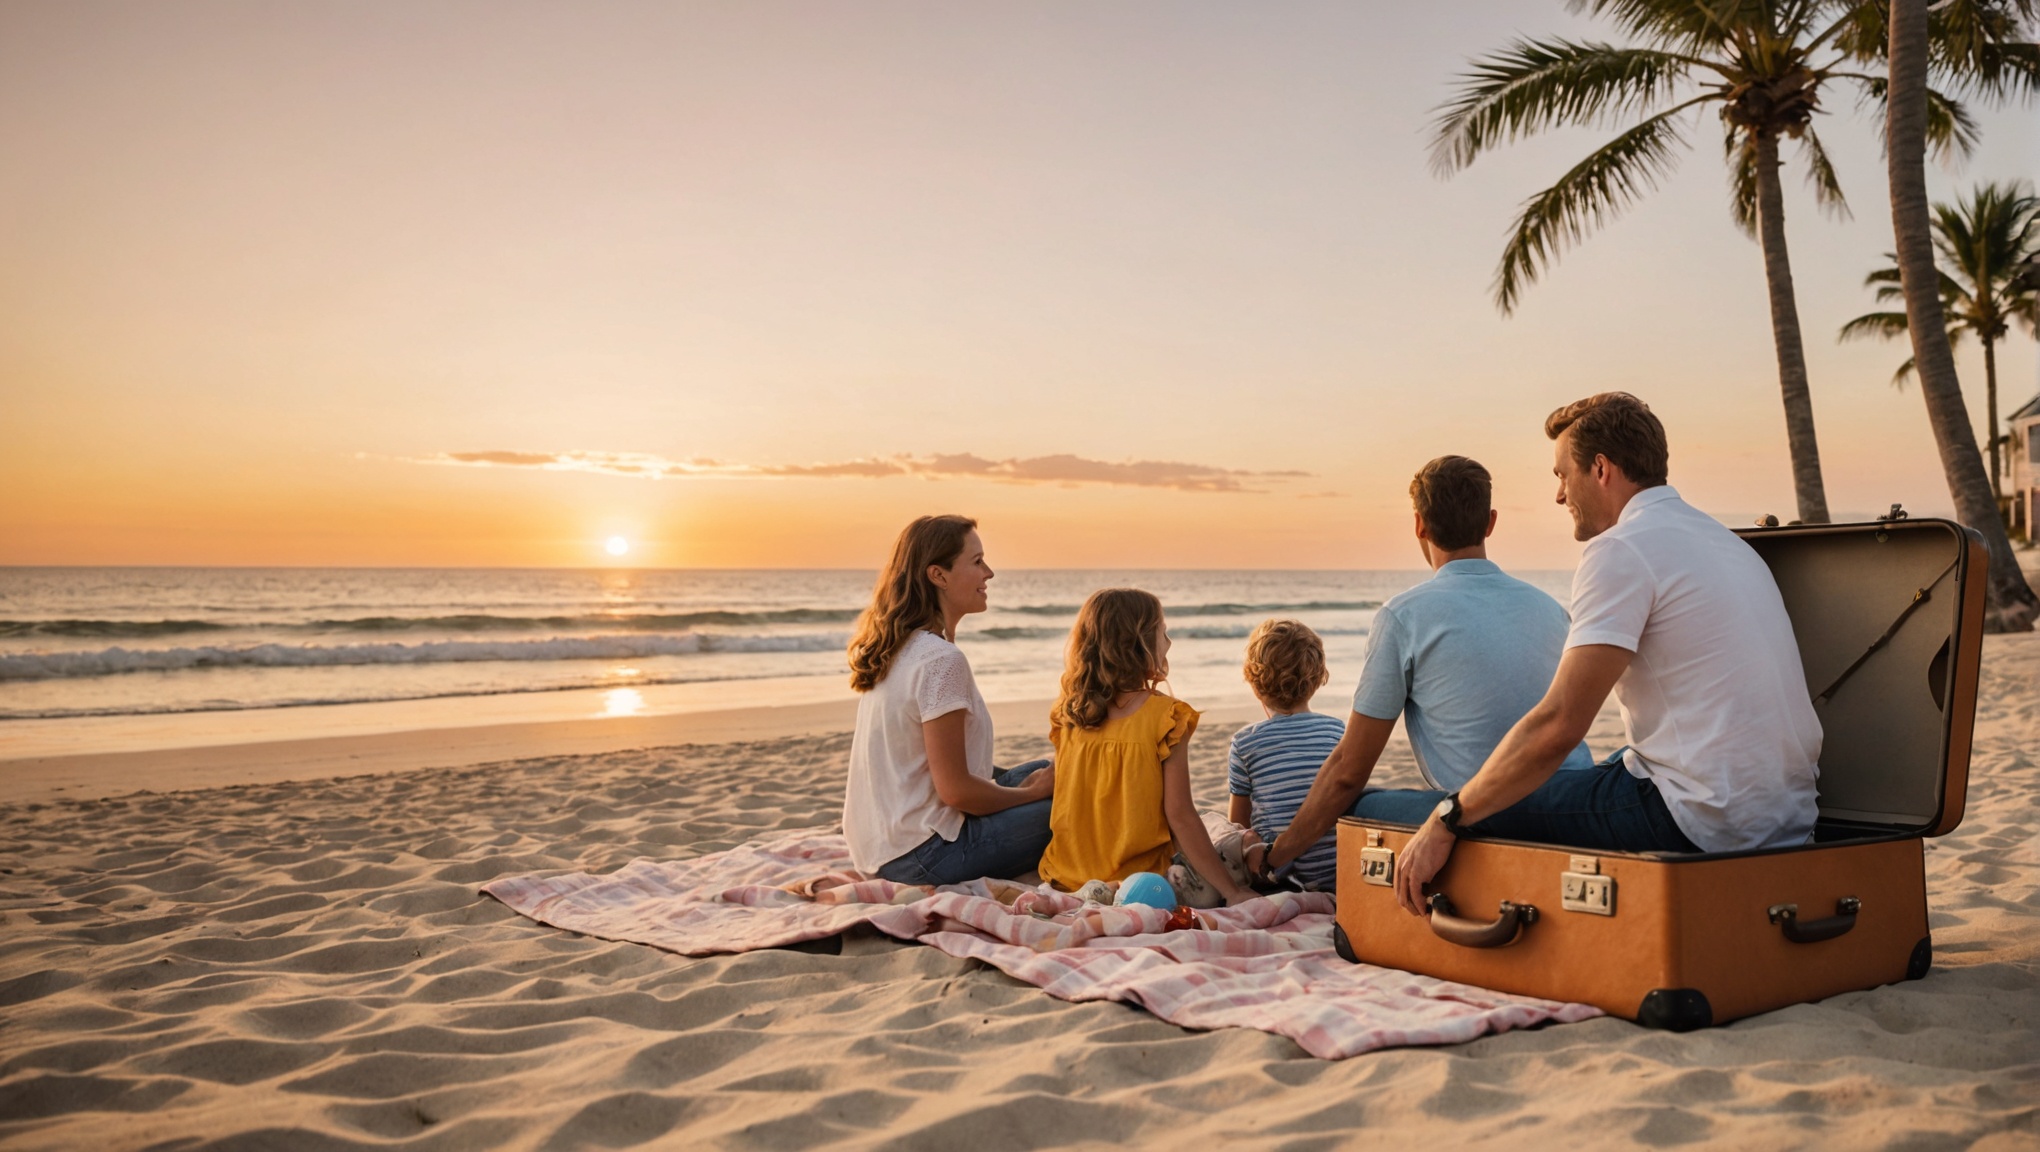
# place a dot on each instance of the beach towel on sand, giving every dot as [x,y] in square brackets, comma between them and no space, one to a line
[1267,964]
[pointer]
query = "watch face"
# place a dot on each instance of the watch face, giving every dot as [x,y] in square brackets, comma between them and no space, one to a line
[1444,809]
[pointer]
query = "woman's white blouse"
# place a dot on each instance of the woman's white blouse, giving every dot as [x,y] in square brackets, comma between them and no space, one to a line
[889,805]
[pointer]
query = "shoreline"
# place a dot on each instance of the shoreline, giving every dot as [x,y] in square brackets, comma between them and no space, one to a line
[101,775]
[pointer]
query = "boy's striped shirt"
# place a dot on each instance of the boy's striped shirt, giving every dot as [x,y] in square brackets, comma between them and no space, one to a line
[1273,763]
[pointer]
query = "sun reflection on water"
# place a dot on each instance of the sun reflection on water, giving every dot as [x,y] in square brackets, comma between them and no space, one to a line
[622,702]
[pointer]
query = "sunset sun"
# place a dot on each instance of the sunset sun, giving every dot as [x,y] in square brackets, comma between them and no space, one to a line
[616,546]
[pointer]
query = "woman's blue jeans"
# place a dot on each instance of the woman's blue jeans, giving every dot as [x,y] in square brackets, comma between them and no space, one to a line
[1603,807]
[1003,844]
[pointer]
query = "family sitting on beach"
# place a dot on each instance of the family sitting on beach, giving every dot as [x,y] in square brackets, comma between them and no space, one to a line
[1495,684]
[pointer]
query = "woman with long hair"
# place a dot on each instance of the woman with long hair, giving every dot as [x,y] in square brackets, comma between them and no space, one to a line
[924,805]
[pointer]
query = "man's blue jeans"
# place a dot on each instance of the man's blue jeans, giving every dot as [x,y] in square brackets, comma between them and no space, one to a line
[1605,808]
[1003,844]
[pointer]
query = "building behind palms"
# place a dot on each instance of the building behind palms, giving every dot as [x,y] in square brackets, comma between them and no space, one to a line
[2023,433]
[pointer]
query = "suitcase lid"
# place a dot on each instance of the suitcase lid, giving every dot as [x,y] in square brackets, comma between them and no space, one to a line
[1889,620]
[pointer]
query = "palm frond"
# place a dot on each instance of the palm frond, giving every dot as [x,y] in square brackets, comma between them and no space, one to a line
[1533,85]
[1891,287]
[2025,308]
[1985,236]
[1593,192]
[1860,32]
[1982,45]
[1740,154]
[1977,46]
[1903,374]
[1874,325]
[1691,25]
[1951,130]
[1820,172]
[2005,71]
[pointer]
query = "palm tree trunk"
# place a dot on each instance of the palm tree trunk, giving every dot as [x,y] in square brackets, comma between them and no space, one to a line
[1997,491]
[1799,439]
[2012,603]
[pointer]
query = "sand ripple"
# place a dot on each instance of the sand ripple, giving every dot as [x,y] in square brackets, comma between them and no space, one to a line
[307,966]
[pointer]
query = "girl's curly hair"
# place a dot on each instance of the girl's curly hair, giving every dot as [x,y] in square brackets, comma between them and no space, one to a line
[1112,651]
[1285,662]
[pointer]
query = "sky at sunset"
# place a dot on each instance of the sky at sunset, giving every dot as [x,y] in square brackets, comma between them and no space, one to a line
[1140,284]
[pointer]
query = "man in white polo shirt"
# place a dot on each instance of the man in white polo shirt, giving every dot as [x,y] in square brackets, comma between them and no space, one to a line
[1682,621]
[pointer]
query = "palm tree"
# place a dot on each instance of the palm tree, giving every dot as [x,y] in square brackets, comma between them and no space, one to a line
[2012,603]
[1764,65]
[1984,243]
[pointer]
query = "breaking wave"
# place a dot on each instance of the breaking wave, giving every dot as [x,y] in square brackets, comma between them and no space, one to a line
[116,661]
[111,629]
[584,622]
[464,622]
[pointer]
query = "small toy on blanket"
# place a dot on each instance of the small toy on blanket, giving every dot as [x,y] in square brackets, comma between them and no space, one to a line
[1145,888]
[1197,892]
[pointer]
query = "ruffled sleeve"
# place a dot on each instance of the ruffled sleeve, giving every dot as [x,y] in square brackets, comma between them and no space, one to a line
[1182,722]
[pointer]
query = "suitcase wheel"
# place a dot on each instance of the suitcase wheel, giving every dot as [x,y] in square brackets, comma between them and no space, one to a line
[1344,944]
[1675,1010]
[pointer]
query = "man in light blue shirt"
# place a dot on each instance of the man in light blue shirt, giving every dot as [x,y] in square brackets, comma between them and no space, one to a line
[1461,657]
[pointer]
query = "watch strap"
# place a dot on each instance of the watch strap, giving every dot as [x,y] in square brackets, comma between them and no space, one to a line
[1451,815]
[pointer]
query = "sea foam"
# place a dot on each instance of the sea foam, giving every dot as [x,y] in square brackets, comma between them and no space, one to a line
[116,661]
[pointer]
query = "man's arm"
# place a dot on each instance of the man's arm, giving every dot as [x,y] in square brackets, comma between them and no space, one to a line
[1525,758]
[1338,785]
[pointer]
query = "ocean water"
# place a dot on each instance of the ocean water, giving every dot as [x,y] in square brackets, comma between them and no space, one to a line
[85,644]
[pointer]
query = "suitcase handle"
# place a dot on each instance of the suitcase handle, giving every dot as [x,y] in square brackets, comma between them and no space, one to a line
[1786,917]
[1455,929]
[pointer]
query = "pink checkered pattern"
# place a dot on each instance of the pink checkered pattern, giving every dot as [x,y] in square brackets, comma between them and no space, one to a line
[1268,964]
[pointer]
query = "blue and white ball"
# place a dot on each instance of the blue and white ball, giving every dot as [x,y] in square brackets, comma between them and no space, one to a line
[1147,888]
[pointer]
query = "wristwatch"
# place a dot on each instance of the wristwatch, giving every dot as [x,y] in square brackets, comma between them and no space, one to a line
[1448,813]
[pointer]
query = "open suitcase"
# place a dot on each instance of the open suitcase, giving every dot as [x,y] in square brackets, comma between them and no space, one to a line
[1889,619]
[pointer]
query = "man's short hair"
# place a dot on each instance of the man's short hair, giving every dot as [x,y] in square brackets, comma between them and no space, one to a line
[1618,426]
[1453,495]
[1285,663]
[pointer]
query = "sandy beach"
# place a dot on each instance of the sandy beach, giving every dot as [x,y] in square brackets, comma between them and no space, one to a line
[305,964]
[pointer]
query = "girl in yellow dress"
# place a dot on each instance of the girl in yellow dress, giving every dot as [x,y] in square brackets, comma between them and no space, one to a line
[1122,754]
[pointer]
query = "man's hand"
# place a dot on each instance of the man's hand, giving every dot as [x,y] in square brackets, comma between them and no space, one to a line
[1419,863]
[1256,859]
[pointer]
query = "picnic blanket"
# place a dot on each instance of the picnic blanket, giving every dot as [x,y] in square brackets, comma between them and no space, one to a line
[1268,964]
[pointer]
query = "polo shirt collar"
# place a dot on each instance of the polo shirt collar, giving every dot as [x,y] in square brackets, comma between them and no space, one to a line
[1645,499]
[1472,567]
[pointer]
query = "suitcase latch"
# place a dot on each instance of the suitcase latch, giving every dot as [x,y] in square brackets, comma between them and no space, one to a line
[1377,866]
[1584,889]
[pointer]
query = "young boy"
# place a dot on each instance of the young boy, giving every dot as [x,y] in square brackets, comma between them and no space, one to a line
[1273,761]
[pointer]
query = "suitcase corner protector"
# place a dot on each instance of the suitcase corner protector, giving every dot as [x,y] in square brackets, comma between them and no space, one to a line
[1675,1009]
[1343,944]
[1922,960]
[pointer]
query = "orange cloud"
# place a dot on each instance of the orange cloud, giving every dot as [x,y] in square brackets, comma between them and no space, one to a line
[1061,468]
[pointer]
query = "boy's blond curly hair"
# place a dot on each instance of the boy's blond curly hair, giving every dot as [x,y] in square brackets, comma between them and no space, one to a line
[1285,663]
